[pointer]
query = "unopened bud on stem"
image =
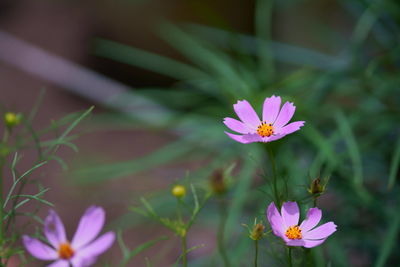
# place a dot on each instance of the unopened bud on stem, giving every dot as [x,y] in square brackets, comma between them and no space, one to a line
[178,191]
[257,232]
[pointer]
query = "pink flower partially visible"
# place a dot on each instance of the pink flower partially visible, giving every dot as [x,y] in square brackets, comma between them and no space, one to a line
[286,225]
[82,251]
[274,124]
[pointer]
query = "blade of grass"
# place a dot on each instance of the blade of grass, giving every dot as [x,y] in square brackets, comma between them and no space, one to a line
[263,21]
[146,60]
[389,240]
[394,166]
[354,153]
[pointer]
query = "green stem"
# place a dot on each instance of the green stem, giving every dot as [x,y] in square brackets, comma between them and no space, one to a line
[1,203]
[184,249]
[256,253]
[221,233]
[290,257]
[2,161]
[274,178]
[315,202]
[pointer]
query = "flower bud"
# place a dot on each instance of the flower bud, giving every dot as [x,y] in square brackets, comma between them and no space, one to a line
[316,187]
[178,191]
[218,183]
[257,232]
[11,119]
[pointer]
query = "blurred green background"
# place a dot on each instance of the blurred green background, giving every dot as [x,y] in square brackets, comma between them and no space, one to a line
[164,74]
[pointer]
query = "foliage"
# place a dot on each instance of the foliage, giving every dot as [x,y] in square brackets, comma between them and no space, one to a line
[349,101]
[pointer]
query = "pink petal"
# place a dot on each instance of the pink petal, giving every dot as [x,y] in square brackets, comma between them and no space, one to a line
[272,138]
[38,249]
[83,262]
[275,220]
[59,263]
[295,242]
[97,247]
[237,126]
[313,217]
[89,226]
[247,114]
[290,213]
[271,108]
[313,243]
[245,139]
[320,232]
[285,115]
[291,127]
[54,229]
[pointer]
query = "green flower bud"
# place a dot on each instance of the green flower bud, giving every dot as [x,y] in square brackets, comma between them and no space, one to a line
[257,232]
[178,191]
[11,119]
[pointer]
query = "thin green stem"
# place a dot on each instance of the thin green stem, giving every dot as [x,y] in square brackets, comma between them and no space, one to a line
[221,233]
[1,203]
[179,209]
[274,178]
[184,249]
[2,161]
[290,257]
[315,202]
[256,253]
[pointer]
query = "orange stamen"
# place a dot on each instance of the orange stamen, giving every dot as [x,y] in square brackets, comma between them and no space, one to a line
[65,251]
[265,130]
[293,232]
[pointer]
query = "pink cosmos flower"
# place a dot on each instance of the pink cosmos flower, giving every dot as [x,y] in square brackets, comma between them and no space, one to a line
[274,124]
[82,250]
[286,225]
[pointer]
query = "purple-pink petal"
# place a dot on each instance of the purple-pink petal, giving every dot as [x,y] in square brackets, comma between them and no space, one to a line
[89,226]
[54,229]
[290,128]
[38,249]
[295,242]
[78,261]
[313,243]
[271,108]
[246,138]
[97,247]
[290,213]
[275,220]
[321,232]
[285,115]
[237,126]
[272,138]
[247,114]
[313,217]
[59,263]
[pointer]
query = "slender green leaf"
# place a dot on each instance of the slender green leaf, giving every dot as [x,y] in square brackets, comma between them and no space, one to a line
[394,165]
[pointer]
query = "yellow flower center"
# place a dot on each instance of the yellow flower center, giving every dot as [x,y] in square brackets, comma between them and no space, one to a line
[293,232]
[265,130]
[65,251]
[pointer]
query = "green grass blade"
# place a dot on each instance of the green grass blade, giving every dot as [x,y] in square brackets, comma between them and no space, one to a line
[354,153]
[389,241]
[146,60]
[263,21]
[394,165]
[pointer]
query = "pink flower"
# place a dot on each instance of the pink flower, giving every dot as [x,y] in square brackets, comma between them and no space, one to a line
[82,250]
[273,126]
[286,225]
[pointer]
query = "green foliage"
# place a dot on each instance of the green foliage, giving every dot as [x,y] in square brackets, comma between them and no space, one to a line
[349,100]
[17,139]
